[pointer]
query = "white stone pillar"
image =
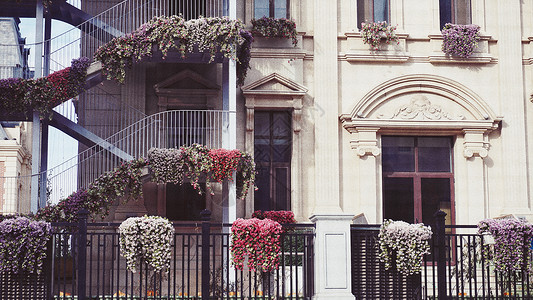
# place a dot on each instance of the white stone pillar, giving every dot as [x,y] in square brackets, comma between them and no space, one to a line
[333,278]
[327,183]
[474,152]
[512,106]
[366,147]
[36,125]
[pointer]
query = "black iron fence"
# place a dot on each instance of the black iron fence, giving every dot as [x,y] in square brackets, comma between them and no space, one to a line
[84,262]
[455,269]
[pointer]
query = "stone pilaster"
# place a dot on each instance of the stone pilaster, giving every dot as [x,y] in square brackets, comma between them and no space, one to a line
[325,94]
[512,102]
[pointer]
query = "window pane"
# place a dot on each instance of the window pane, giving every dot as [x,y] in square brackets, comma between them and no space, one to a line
[261,124]
[281,124]
[364,12]
[436,195]
[262,150]
[398,201]
[445,10]
[262,194]
[280,9]
[434,154]
[282,188]
[381,10]
[261,9]
[398,154]
[462,12]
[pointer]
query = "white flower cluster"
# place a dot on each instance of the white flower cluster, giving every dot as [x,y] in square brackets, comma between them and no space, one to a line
[166,165]
[146,240]
[405,243]
[206,33]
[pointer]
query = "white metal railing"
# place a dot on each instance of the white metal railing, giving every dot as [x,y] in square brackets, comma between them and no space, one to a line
[162,130]
[121,19]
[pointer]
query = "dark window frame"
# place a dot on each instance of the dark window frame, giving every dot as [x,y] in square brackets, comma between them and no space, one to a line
[417,177]
[274,165]
[447,12]
[361,15]
[272,9]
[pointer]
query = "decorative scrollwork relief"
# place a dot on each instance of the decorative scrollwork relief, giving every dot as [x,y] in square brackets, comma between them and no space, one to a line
[420,108]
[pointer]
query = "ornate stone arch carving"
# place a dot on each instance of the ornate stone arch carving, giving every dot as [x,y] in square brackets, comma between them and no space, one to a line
[421,103]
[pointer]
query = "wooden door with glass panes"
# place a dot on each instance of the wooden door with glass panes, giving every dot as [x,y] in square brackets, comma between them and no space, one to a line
[417,178]
[272,155]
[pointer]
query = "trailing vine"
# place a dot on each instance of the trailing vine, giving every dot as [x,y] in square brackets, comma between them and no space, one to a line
[146,240]
[407,242]
[43,94]
[214,35]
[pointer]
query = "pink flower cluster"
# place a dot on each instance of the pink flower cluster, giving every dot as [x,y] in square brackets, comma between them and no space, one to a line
[259,240]
[280,216]
[225,162]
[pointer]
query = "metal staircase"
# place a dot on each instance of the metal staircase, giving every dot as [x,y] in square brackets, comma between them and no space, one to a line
[132,133]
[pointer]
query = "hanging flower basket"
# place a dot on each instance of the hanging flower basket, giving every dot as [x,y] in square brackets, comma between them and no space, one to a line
[376,33]
[43,94]
[212,35]
[146,240]
[512,241]
[460,40]
[23,245]
[256,243]
[275,28]
[402,246]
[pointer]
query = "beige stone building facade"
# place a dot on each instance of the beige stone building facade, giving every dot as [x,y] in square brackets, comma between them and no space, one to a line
[399,132]
[339,128]
[405,130]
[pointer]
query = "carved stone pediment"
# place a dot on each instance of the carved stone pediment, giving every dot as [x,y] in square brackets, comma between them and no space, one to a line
[274,84]
[421,103]
[421,108]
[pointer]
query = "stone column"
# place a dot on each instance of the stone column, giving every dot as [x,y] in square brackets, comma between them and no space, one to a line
[366,147]
[474,152]
[333,278]
[512,105]
[327,197]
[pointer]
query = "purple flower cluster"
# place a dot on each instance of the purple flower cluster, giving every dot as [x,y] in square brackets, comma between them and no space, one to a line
[43,94]
[23,245]
[272,27]
[513,238]
[125,180]
[460,40]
